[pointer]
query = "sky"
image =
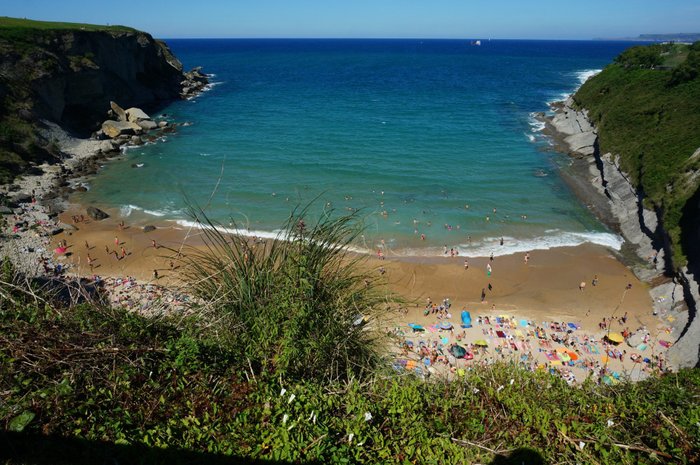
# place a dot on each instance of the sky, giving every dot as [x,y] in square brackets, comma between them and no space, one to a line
[469,19]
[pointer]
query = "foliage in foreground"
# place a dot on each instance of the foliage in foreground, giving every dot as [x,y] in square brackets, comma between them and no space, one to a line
[151,385]
[300,305]
[651,118]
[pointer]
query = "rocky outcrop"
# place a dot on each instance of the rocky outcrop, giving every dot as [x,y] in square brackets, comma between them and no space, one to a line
[674,292]
[70,76]
[96,214]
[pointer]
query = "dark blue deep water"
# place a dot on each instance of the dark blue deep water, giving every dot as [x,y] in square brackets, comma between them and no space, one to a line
[424,136]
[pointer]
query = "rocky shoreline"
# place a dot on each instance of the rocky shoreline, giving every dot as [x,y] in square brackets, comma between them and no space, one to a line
[598,180]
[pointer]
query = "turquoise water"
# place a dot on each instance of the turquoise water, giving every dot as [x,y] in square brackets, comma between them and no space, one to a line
[424,137]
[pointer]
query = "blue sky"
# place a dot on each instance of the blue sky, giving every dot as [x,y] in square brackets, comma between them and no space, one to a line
[507,19]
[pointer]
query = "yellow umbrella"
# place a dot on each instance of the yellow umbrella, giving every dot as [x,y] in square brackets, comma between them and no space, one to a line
[616,337]
[481,343]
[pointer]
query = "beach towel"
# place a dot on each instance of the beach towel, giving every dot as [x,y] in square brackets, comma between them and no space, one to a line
[523,323]
[500,334]
[551,356]
[642,347]
[594,349]
[573,326]
[665,344]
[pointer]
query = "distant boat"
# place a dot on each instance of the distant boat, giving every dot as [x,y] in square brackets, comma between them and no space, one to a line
[476,42]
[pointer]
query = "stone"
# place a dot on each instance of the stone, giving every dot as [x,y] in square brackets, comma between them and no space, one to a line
[105,146]
[22,198]
[96,214]
[5,210]
[162,124]
[135,140]
[119,128]
[149,228]
[147,124]
[118,111]
[136,114]
[583,142]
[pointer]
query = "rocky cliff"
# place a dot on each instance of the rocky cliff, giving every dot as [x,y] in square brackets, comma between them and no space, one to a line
[68,74]
[621,203]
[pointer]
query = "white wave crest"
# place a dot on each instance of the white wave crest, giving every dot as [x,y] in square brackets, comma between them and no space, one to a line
[585,75]
[127,210]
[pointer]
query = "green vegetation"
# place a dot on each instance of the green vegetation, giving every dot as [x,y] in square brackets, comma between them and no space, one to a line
[650,116]
[190,388]
[300,305]
[20,29]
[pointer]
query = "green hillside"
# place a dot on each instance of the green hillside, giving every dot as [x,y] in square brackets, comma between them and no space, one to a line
[646,106]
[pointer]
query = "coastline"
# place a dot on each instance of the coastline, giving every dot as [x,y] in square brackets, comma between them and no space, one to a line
[546,289]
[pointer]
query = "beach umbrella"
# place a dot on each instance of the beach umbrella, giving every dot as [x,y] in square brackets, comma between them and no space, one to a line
[564,356]
[572,355]
[445,325]
[615,337]
[416,327]
[458,351]
[481,343]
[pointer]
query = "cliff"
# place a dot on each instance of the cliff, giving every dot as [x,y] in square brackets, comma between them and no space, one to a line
[635,131]
[68,74]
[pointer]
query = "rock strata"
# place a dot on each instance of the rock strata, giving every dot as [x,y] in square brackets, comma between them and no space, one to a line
[676,294]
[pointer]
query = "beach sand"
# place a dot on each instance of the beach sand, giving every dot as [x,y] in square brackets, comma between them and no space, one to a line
[543,290]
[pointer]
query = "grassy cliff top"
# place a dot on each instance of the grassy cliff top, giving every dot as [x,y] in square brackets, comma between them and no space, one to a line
[18,28]
[646,107]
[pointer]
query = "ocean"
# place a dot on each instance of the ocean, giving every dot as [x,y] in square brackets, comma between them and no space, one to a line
[433,142]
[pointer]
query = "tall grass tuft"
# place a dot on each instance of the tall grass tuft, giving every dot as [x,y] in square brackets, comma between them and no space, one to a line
[302,305]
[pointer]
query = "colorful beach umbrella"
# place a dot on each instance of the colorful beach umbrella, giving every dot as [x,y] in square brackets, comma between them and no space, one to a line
[481,343]
[572,355]
[615,337]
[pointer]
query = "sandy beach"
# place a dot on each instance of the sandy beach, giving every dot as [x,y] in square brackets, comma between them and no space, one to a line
[518,298]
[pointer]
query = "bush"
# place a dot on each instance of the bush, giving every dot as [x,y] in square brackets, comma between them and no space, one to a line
[300,305]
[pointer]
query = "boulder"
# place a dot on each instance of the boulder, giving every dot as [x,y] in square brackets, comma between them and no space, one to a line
[105,146]
[5,210]
[119,128]
[118,111]
[136,114]
[162,124]
[147,124]
[149,228]
[96,214]
[135,140]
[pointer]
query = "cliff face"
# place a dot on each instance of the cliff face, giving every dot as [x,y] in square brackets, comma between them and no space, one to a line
[70,76]
[675,291]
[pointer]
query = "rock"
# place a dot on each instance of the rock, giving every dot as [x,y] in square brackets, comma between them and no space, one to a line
[118,111]
[147,124]
[149,228]
[119,128]
[96,214]
[5,210]
[56,231]
[26,115]
[582,142]
[135,140]
[136,114]
[162,124]
[105,146]
[22,198]
[80,189]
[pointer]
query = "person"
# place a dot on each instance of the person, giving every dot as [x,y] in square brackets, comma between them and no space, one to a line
[491,257]
[116,241]
[155,274]
[490,287]
[582,285]
[527,257]
[595,280]
[153,243]
[488,269]
[501,241]
[483,294]
[466,264]
[123,252]
[87,246]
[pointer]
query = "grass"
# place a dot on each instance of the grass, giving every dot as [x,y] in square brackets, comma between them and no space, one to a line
[19,27]
[194,388]
[650,117]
